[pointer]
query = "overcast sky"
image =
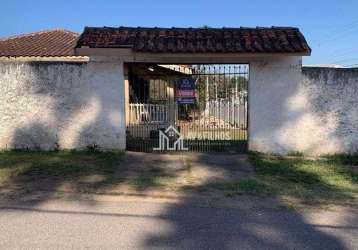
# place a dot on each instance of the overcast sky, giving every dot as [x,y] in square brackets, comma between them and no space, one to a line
[331,27]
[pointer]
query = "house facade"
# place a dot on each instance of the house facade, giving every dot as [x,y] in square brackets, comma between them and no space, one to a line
[116,88]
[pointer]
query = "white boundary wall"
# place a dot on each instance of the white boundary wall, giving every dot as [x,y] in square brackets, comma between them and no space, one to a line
[314,111]
[47,105]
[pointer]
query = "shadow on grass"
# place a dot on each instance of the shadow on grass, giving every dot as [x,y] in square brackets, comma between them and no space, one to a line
[23,173]
[325,180]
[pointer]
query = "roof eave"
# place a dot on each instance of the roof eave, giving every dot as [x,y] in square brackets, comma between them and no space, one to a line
[88,51]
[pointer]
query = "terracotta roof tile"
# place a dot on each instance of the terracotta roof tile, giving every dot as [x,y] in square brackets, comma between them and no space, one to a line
[56,42]
[197,40]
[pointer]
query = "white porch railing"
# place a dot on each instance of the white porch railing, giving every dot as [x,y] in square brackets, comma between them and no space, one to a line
[231,112]
[147,113]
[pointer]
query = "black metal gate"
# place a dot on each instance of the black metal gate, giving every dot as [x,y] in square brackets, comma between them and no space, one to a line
[187,107]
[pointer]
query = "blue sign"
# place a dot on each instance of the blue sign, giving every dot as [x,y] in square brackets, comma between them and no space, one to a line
[186,83]
[185,90]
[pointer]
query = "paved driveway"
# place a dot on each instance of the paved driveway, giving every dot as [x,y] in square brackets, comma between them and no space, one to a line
[130,223]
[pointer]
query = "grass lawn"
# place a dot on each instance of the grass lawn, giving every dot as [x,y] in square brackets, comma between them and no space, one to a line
[330,179]
[22,169]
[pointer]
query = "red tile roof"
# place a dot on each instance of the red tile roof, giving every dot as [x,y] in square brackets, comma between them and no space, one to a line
[56,42]
[197,40]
